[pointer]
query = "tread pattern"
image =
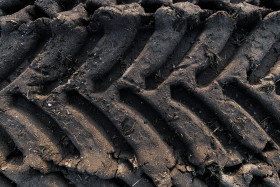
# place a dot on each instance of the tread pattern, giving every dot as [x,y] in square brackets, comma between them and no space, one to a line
[139,93]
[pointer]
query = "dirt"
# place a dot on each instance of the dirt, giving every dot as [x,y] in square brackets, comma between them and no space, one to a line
[139,93]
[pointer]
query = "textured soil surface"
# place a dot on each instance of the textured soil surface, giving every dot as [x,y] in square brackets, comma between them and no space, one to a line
[139,93]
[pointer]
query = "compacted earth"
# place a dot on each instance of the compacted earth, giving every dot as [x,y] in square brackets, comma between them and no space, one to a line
[139,93]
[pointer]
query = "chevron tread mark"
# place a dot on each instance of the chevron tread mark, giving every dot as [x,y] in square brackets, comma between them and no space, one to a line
[184,96]
[104,82]
[139,93]
[254,107]
[93,114]
[156,78]
[219,61]
[20,43]
[45,124]
[153,118]
[269,61]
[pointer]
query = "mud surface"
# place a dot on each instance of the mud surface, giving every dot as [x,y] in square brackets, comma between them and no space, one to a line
[139,93]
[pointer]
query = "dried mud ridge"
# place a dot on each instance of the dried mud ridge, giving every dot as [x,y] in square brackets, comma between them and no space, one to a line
[139,93]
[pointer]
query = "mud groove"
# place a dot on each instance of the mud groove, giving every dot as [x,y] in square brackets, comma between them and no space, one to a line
[210,177]
[178,1]
[6,182]
[70,4]
[119,2]
[44,123]
[59,176]
[7,146]
[254,108]
[217,65]
[55,178]
[153,118]
[29,57]
[262,69]
[156,78]
[257,181]
[78,179]
[103,83]
[8,149]
[208,116]
[273,4]
[10,8]
[277,88]
[209,5]
[119,183]
[148,179]
[15,157]
[98,119]
[150,8]
[232,169]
